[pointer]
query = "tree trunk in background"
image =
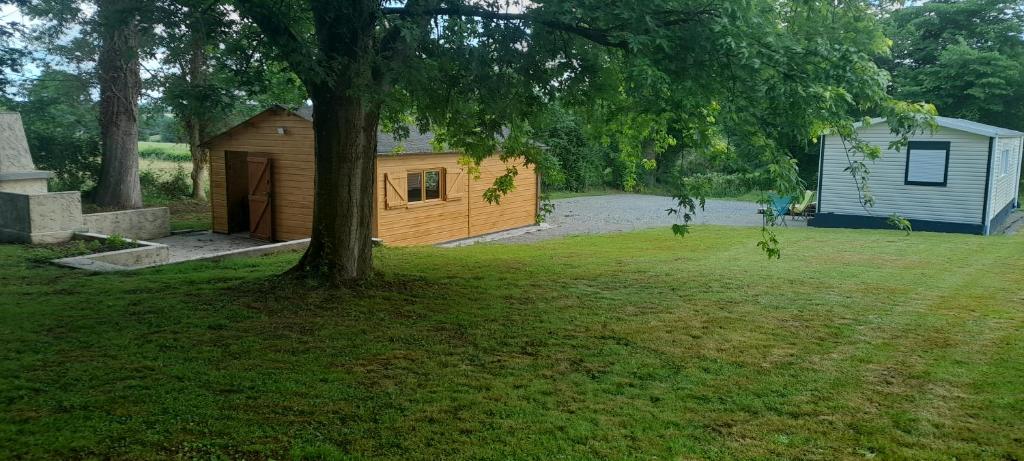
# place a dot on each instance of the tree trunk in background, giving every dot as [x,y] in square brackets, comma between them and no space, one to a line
[200,157]
[346,153]
[120,86]
[651,175]
[195,124]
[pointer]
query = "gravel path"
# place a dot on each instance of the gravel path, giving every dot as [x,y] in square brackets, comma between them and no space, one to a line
[626,212]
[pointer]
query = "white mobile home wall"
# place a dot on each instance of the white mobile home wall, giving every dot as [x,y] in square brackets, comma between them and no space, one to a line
[1005,187]
[960,201]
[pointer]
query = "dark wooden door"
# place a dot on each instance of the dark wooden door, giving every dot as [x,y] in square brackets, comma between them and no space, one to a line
[237,176]
[261,209]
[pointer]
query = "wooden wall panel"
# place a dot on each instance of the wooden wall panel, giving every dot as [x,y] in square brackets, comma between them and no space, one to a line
[424,222]
[517,209]
[415,224]
[292,156]
[218,191]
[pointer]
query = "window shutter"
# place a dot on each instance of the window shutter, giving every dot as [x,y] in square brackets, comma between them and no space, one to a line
[455,184]
[394,191]
[926,163]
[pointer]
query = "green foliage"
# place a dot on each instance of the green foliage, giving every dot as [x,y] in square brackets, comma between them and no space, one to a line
[60,120]
[966,57]
[166,186]
[900,223]
[117,241]
[42,254]
[581,164]
[545,209]
[157,125]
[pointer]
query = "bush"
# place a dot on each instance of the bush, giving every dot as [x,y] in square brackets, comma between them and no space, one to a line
[581,162]
[164,153]
[721,185]
[46,253]
[168,186]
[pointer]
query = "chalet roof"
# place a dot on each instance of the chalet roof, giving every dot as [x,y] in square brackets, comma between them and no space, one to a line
[964,125]
[386,142]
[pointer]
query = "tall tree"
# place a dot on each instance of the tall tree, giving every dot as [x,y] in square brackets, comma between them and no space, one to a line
[215,70]
[120,82]
[112,34]
[965,56]
[469,69]
[191,31]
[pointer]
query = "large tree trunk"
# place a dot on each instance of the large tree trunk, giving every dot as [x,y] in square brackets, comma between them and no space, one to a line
[200,156]
[345,129]
[195,124]
[120,87]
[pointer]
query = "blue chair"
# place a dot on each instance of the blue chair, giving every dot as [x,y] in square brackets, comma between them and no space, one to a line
[779,207]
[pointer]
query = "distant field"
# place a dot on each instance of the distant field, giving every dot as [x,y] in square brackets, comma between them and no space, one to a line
[164,151]
[164,157]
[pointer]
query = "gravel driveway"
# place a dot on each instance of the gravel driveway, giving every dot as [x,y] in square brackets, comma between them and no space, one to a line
[626,212]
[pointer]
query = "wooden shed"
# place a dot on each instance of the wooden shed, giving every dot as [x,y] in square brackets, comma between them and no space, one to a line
[963,177]
[261,183]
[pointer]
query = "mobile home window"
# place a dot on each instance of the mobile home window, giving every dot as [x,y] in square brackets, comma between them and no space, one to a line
[424,185]
[1006,162]
[927,163]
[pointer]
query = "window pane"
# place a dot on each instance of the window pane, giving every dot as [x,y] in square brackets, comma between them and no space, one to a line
[415,187]
[927,166]
[433,185]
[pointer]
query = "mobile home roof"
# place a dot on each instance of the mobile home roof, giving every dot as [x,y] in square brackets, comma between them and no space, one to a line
[964,125]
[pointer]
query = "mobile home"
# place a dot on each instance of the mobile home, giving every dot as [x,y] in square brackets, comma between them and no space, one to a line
[964,177]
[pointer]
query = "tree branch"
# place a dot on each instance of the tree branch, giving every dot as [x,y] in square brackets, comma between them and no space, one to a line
[300,56]
[605,37]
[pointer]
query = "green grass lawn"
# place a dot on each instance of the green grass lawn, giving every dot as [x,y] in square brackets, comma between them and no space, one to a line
[178,149]
[857,344]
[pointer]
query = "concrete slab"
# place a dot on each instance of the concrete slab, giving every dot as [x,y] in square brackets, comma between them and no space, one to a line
[496,236]
[199,245]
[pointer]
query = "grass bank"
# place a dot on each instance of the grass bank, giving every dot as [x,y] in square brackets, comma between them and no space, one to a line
[634,345]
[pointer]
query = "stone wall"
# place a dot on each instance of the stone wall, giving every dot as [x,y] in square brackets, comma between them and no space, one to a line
[39,218]
[143,224]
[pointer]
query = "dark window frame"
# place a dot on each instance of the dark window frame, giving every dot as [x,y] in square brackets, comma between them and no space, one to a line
[927,145]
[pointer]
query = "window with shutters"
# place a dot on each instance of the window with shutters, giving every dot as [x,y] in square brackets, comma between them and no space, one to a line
[424,185]
[927,163]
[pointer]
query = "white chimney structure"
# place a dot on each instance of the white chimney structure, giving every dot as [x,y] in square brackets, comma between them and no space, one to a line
[28,212]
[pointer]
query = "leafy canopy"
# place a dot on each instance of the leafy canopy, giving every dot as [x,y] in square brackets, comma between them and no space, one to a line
[965,56]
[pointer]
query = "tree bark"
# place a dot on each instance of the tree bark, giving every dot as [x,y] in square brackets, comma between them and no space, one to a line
[195,124]
[345,127]
[200,157]
[120,87]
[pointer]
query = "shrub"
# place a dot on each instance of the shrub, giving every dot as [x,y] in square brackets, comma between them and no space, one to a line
[581,162]
[46,253]
[168,186]
[721,185]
